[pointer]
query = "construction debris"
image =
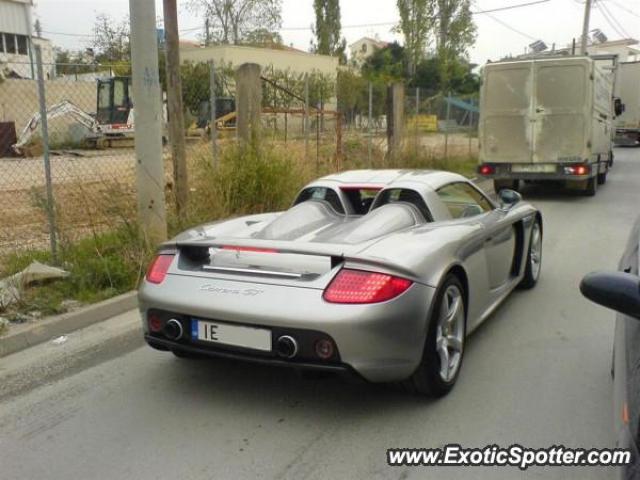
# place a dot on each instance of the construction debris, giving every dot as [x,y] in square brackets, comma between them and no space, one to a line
[11,287]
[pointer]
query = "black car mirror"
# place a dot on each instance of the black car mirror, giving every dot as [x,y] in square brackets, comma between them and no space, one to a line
[508,198]
[616,290]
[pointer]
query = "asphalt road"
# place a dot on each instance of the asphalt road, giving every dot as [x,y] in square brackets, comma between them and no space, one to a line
[536,373]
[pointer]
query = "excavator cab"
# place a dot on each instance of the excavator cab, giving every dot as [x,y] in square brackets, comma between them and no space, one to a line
[114,101]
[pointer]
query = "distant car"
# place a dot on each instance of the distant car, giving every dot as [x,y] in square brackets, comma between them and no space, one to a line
[620,291]
[381,273]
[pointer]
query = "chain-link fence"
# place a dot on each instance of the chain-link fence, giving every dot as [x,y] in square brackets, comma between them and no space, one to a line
[441,126]
[86,167]
[82,180]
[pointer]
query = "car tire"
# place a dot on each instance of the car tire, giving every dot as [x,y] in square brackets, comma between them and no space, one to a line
[534,258]
[430,379]
[502,184]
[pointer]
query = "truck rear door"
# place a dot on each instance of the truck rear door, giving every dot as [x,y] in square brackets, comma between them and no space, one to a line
[561,107]
[506,130]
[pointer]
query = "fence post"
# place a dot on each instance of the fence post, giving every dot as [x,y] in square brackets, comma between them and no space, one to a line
[395,119]
[338,140]
[470,131]
[369,122]
[305,122]
[47,164]
[417,133]
[446,129]
[248,102]
[213,127]
[174,105]
[318,137]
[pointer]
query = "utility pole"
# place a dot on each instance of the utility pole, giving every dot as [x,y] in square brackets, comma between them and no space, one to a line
[148,113]
[174,106]
[585,27]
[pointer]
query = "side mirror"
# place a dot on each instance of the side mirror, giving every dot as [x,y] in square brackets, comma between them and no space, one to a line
[508,199]
[618,107]
[615,290]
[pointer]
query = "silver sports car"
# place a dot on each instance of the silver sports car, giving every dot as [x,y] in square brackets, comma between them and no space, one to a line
[381,273]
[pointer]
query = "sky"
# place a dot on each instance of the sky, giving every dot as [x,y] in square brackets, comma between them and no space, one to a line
[68,22]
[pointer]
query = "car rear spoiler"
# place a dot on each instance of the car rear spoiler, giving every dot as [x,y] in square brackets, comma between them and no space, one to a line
[339,253]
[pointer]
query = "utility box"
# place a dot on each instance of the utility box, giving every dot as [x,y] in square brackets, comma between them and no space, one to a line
[547,119]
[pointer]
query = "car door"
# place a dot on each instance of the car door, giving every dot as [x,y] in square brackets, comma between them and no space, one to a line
[463,200]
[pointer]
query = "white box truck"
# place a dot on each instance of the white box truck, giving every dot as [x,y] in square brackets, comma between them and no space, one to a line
[628,91]
[547,119]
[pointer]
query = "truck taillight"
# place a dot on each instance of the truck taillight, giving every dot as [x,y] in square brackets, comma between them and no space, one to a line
[359,286]
[158,268]
[577,170]
[486,169]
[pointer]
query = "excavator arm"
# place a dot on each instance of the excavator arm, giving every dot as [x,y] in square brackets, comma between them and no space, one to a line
[64,108]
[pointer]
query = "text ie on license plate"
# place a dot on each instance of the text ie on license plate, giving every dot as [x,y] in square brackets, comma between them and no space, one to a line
[235,335]
[533,168]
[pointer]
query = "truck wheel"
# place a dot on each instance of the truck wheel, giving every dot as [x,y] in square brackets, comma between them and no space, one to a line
[502,184]
[592,187]
[611,158]
[602,178]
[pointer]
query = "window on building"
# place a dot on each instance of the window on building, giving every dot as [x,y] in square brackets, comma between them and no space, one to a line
[22,41]
[10,43]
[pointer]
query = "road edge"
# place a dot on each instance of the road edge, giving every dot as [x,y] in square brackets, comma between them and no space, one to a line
[26,336]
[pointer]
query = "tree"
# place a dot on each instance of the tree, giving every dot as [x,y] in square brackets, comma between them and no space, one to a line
[230,21]
[456,33]
[327,29]
[111,39]
[416,23]
[386,64]
[263,38]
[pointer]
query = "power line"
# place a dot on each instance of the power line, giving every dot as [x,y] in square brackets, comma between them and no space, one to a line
[611,20]
[628,10]
[361,25]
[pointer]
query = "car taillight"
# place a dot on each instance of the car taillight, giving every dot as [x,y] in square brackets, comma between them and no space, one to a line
[359,286]
[486,169]
[158,268]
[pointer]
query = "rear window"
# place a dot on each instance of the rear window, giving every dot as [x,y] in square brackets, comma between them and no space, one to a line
[321,193]
[360,198]
[404,195]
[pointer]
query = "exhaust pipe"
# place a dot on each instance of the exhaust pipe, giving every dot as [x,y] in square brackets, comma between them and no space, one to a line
[173,330]
[286,347]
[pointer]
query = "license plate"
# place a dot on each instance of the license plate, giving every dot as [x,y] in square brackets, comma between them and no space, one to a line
[234,335]
[533,168]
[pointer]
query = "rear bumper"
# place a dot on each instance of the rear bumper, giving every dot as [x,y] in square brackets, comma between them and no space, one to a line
[380,342]
[167,345]
[505,171]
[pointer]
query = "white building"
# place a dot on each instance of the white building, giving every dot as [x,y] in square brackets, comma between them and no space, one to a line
[17,57]
[362,49]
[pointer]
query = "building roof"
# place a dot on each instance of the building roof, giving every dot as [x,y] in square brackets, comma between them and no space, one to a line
[379,43]
[280,59]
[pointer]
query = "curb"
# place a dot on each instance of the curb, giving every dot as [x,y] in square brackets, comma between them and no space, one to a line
[25,336]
